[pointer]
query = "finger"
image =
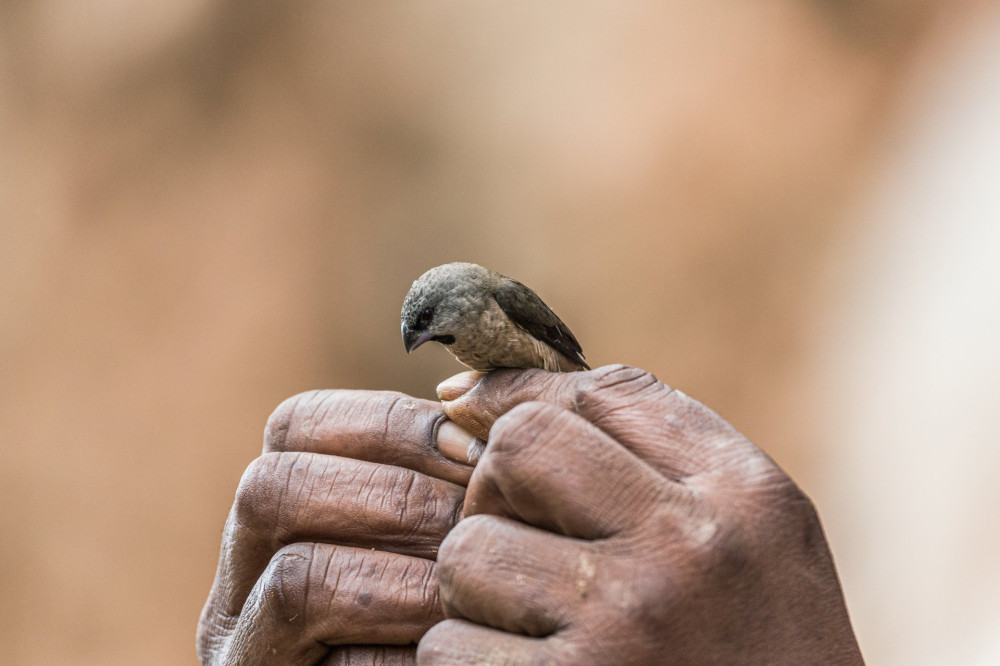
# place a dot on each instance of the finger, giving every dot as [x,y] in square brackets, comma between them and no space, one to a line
[679,436]
[370,655]
[507,575]
[315,595]
[553,469]
[377,426]
[476,406]
[458,385]
[461,642]
[287,497]
[455,443]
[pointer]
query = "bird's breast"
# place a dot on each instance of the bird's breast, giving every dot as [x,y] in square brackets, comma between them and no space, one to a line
[498,342]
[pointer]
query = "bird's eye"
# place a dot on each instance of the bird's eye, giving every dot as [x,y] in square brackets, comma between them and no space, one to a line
[426,316]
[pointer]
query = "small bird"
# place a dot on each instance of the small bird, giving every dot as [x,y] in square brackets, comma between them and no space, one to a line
[487,320]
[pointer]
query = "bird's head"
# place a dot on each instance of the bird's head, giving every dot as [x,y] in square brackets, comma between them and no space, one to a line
[442,303]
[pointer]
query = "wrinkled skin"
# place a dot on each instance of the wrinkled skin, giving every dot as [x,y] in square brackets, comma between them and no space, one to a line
[610,520]
[328,552]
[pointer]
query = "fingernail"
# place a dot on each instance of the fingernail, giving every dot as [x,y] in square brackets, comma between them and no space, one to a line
[455,442]
[457,386]
[476,450]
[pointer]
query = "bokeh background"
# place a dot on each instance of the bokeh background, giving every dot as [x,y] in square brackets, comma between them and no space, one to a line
[787,209]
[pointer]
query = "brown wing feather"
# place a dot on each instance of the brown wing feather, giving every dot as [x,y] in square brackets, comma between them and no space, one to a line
[530,312]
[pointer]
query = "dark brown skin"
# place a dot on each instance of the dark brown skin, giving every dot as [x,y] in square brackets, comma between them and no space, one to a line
[610,520]
[332,538]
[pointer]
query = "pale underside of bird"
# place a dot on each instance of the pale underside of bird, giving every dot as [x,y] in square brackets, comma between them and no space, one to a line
[487,321]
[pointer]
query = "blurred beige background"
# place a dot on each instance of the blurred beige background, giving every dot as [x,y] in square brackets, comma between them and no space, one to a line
[208,206]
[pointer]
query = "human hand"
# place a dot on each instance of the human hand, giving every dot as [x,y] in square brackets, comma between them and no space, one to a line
[328,553]
[614,520]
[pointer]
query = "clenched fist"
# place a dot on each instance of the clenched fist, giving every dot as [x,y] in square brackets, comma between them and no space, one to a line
[613,520]
[328,552]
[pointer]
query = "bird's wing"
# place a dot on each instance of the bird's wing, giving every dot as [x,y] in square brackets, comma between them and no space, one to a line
[528,311]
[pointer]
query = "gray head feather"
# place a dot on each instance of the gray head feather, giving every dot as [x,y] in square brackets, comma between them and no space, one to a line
[487,321]
[444,302]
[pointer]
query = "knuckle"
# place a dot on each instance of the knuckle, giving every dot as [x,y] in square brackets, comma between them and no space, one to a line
[519,427]
[432,648]
[614,382]
[769,486]
[210,638]
[259,492]
[284,586]
[806,532]
[646,595]
[453,642]
[276,432]
[787,493]
[461,548]
[460,544]
[725,557]
[624,377]
[253,491]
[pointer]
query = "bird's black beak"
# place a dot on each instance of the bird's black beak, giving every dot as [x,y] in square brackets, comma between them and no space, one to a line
[413,339]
